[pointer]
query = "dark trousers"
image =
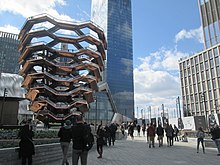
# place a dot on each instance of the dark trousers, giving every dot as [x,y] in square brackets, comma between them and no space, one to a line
[25,158]
[100,149]
[169,140]
[202,142]
[112,139]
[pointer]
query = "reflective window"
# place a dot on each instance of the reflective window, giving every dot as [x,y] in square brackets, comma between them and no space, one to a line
[217,61]
[210,54]
[207,75]
[215,52]
[209,85]
[210,95]
[202,66]
[214,84]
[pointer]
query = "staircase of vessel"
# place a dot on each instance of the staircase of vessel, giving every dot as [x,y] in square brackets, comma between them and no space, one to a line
[60,82]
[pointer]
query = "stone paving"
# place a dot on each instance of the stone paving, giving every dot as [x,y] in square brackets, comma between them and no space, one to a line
[137,152]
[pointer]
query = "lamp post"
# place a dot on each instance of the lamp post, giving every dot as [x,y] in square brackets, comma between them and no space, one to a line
[96,111]
[205,110]
[178,99]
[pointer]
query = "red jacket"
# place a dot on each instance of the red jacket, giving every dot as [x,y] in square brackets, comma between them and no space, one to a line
[151,131]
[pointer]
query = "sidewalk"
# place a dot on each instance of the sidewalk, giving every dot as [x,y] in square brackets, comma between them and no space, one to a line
[137,152]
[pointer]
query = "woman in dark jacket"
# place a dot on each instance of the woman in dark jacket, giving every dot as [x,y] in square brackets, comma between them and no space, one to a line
[26,144]
[100,140]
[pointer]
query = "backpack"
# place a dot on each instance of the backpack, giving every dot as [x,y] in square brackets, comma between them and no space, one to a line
[88,139]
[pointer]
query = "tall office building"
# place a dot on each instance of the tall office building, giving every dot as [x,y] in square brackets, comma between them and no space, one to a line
[115,17]
[200,73]
[9,53]
[210,17]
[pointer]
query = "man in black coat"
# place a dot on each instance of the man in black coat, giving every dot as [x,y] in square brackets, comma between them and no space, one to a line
[113,129]
[79,131]
[216,137]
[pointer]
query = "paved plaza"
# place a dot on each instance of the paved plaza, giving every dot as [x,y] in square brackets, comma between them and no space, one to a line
[137,152]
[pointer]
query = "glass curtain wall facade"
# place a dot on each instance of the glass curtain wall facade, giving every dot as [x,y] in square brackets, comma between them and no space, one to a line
[210,14]
[200,73]
[9,53]
[200,82]
[115,17]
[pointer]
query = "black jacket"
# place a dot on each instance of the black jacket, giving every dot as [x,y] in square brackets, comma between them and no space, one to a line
[65,134]
[26,145]
[215,133]
[78,133]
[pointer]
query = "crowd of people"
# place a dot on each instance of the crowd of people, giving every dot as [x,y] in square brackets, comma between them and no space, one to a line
[105,135]
[151,130]
[172,134]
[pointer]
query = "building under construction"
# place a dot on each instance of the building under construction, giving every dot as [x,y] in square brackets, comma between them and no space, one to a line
[62,62]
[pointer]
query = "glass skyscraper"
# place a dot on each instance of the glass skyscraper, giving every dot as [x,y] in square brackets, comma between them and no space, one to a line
[115,18]
[9,52]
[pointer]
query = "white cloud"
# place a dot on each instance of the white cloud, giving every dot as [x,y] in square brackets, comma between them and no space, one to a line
[10,29]
[31,8]
[156,80]
[191,34]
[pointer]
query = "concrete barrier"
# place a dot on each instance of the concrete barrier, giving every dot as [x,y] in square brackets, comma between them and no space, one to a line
[43,154]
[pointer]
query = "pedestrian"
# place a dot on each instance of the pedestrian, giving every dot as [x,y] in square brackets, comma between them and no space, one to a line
[151,134]
[65,135]
[131,130]
[113,129]
[143,128]
[169,133]
[176,133]
[107,139]
[200,139]
[216,137]
[138,130]
[26,145]
[148,138]
[160,135]
[122,127]
[100,140]
[79,151]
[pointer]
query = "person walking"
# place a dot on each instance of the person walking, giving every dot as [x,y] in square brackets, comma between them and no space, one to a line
[147,132]
[65,135]
[122,127]
[113,129]
[26,145]
[176,133]
[216,137]
[151,131]
[79,132]
[100,140]
[200,139]
[144,129]
[160,134]
[169,133]
[138,130]
[131,130]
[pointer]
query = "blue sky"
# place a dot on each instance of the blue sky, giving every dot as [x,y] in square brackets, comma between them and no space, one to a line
[163,32]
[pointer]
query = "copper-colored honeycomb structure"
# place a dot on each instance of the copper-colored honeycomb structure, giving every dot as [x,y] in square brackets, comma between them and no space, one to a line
[61,65]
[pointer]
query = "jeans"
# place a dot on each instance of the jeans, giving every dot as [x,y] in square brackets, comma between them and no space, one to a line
[217,142]
[82,154]
[202,142]
[65,148]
